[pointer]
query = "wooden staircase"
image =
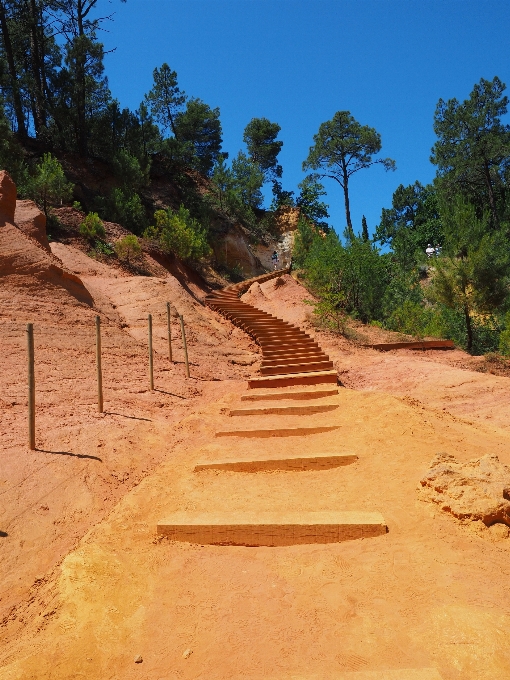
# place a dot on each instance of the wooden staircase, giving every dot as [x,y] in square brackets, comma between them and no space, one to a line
[289,355]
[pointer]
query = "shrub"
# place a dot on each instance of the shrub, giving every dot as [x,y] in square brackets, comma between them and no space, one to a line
[103,248]
[181,234]
[411,318]
[128,248]
[92,227]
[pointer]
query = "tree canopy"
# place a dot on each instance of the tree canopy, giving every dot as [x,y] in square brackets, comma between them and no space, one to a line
[263,147]
[472,152]
[341,148]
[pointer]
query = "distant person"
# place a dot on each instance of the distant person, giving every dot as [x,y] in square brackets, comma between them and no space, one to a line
[274,259]
[430,250]
[437,250]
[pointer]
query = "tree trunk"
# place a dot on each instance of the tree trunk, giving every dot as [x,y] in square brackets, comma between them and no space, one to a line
[81,12]
[345,186]
[490,189]
[469,328]
[16,98]
[36,68]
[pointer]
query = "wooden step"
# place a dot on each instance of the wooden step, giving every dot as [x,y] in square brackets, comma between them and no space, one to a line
[401,674]
[306,393]
[302,410]
[278,345]
[286,380]
[296,358]
[303,367]
[271,528]
[277,432]
[320,461]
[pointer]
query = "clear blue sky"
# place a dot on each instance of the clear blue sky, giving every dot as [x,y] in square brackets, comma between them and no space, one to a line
[297,62]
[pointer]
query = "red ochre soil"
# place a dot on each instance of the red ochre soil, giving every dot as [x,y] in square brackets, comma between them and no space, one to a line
[87,586]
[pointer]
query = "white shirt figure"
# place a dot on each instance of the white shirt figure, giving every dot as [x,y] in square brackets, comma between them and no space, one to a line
[430,250]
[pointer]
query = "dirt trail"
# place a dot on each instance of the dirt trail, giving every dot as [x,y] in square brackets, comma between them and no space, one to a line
[85,462]
[418,597]
[86,584]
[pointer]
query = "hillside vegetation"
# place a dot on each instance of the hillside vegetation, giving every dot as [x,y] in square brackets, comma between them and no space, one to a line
[161,172]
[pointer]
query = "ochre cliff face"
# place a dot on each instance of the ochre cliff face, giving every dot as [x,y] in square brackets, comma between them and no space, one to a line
[32,222]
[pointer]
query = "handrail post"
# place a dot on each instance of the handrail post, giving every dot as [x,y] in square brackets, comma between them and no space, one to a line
[31,386]
[98,365]
[151,362]
[169,332]
[184,345]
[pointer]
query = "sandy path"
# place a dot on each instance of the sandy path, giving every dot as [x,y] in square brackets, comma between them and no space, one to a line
[85,462]
[418,597]
[421,596]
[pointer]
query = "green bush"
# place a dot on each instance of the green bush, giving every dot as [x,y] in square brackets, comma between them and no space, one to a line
[103,248]
[350,279]
[126,209]
[411,318]
[92,227]
[128,248]
[180,234]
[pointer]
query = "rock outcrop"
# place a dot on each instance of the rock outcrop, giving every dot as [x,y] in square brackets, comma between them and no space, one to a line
[22,258]
[7,198]
[32,222]
[478,490]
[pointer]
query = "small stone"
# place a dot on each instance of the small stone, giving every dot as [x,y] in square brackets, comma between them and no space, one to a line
[138,659]
[187,653]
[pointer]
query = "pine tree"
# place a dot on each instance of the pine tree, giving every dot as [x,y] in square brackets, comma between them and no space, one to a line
[364,229]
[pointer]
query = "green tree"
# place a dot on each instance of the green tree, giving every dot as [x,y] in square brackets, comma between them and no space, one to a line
[364,229]
[342,147]
[247,180]
[82,88]
[92,227]
[13,78]
[263,147]
[411,223]
[180,234]
[222,181]
[11,154]
[127,248]
[199,128]
[306,233]
[473,275]
[165,100]
[354,277]
[129,172]
[126,208]
[49,185]
[472,152]
[309,200]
